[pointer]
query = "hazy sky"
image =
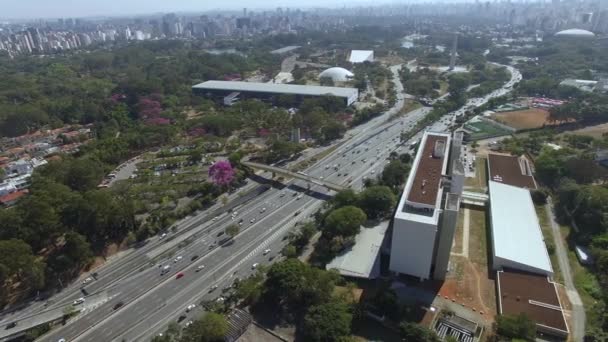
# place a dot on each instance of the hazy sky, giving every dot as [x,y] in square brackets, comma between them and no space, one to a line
[15,9]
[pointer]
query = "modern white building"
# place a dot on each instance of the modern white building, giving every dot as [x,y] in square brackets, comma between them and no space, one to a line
[337,74]
[360,56]
[426,216]
[517,239]
[575,33]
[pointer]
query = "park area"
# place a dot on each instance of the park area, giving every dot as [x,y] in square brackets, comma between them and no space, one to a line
[524,119]
[481,129]
[597,131]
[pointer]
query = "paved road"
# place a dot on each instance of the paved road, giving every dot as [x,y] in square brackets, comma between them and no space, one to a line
[152,300]
[128,291]
[578,311]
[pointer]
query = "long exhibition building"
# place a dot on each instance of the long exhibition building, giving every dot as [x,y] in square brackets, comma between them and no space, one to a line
[427,213]
[231,91]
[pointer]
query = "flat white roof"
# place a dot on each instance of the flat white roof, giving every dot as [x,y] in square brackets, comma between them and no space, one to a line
[363,259]
[285,49]
[360,56]
[277,88]
[516,232]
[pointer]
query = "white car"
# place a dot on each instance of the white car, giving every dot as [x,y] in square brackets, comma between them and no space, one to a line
[266,251]
[254,266]
[78,301]
[200,268]
[262,210]
[282,194]
[162,236]
[299,197]
[61,340]
[178,259]
[190,307]
[189,323]
[87,280]
[252,220]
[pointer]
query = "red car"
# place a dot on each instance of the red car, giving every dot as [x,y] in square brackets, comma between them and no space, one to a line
[179,275]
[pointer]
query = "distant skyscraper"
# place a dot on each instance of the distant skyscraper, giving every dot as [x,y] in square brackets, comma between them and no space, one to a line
[453,53]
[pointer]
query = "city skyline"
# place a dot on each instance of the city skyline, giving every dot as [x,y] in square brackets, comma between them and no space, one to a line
[37,9]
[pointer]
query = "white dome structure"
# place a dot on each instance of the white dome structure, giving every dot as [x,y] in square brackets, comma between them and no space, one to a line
[575,33]
[337,74]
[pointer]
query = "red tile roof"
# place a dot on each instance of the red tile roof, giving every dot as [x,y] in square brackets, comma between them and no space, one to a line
[12,197]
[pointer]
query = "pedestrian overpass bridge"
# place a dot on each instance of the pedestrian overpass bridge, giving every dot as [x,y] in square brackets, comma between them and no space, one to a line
[300,176]
[474,198]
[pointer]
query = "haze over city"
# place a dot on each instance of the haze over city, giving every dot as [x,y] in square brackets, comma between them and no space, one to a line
[303,171]
[33,9]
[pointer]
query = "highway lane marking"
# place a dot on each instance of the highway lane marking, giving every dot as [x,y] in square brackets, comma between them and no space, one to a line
[282,227]
[324,159]
[168,280]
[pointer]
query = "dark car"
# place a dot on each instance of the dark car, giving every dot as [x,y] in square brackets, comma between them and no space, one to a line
[11,325]
[181,318]
[194,257]
[118,305]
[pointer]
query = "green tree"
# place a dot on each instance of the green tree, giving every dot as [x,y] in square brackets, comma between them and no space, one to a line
[289,251]
[212,327]
[412,332]
[295,286]
[250,290]
[327,322]
[377,201]
[519,326]
[345,221]
[394,174]
[233,230]
[344,198]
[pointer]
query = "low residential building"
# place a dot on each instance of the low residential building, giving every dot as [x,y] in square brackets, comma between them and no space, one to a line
[363,259]
[426,216]
[12,198]
[534,295]
[18,168]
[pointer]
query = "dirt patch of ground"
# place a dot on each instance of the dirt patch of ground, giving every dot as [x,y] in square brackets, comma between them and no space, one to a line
[593,131]
[255,334]
[468,281]
[524,119]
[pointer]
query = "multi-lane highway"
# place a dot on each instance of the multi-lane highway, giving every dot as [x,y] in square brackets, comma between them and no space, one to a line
[142,300]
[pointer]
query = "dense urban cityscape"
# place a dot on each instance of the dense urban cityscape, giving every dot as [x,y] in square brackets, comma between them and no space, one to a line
[409,171]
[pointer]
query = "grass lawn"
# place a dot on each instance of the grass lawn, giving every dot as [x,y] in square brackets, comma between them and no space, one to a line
[478,236]
[481,130]
[548,236]
[410,105]
[480,181]
[457,247]
[586,284]
[443,87]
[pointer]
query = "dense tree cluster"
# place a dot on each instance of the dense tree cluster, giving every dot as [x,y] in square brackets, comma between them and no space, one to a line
[303,295]
[212,327]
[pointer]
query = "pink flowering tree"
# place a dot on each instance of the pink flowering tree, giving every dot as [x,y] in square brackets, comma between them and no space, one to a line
[149,107]
[221,173]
